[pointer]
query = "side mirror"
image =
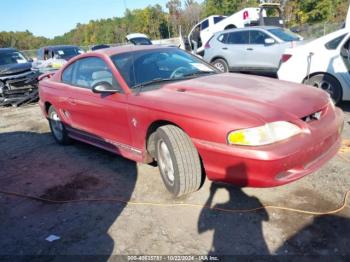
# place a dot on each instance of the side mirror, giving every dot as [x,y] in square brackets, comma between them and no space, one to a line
[104,88]
[30,60]
[270,41]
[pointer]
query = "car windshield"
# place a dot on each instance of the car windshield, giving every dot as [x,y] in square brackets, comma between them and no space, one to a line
[68,52]
[157,65]
[140,41]
[284,34]
[12,57]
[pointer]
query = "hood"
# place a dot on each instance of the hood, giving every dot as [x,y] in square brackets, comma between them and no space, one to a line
[251,99]
[14,69]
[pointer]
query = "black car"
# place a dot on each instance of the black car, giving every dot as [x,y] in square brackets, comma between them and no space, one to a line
[18,82]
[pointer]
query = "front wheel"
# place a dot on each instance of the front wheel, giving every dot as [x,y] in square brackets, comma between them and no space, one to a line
[178,161]
[58,129]
[328,84]
[220,64]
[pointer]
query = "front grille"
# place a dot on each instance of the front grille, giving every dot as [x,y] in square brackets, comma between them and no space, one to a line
[313,117]
[316,116]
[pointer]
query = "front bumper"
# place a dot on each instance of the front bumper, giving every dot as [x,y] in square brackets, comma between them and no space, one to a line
[276,164]
[16,89]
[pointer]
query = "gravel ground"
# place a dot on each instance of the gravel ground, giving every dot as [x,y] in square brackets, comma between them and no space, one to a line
[32,163]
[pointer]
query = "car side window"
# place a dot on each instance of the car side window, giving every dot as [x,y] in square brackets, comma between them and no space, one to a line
[205,24]
[91,71]
[257,37]
[223,38]
[332,45]
[67,74]
[238,38]
[345,50]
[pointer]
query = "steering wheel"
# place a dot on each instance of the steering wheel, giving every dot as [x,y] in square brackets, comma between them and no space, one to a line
[177,72]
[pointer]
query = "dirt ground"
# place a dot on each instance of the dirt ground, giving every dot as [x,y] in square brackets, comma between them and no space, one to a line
[32,163]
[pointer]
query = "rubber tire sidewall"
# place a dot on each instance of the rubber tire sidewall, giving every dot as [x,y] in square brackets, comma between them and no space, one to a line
[66,140]
[176,189]
[223,62]
[334,82]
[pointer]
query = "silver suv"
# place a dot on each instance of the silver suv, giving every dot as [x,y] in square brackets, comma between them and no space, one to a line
[254,49]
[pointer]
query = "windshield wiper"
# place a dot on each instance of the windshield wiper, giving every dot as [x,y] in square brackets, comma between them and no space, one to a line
[199,73]
[151,82]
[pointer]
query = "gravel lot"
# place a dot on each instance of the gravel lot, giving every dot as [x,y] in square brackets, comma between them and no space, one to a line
[32,163]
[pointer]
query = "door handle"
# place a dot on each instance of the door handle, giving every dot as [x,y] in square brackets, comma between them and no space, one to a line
[224,48]
[250,49]
[71,101]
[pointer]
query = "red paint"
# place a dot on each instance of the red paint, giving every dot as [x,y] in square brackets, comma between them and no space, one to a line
[245,15]
[207,109]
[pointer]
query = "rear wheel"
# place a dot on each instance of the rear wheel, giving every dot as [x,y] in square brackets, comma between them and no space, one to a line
[328,84]
[220,64]
[58,129]
[178,161]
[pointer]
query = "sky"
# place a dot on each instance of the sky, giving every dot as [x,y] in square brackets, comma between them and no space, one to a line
[50,18]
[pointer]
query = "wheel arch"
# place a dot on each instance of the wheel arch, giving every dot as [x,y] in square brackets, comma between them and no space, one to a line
[328,74]
[150,134]
[230,26]
[321,73]
[151,145]
[218,57]
[47,106]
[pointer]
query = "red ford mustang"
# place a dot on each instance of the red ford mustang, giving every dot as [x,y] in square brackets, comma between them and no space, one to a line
[162,104]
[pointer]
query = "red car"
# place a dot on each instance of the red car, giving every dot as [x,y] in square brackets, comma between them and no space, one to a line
[162,104]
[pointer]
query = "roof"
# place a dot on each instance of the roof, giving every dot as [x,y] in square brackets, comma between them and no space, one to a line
[249,28]
[129,48]
[55,47]
[6,50]
[136,35]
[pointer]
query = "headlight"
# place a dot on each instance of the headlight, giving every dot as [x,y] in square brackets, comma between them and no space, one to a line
[263,135]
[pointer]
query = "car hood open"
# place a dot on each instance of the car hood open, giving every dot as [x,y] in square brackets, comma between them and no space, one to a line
[228,96]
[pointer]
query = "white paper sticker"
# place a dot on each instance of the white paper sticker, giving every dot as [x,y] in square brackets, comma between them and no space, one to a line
[60,52]
[21,61]
[202,67]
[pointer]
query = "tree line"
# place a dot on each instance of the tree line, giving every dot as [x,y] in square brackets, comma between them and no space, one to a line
[158,23]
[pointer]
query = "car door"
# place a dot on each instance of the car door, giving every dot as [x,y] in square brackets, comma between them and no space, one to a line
[344,70]
[235,49]
[262,56]
[101,116]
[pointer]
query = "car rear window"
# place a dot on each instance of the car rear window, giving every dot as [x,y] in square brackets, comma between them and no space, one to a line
[332,45]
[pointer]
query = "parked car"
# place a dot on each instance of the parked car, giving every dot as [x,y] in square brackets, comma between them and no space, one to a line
[18,82]
[323,63]
[52,58]
[252,16]
[257,49]
[138,39]
[65,52]
[164,104]
[98,47]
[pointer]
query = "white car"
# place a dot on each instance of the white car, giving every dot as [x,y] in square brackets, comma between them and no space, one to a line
[251,16]
[323,63]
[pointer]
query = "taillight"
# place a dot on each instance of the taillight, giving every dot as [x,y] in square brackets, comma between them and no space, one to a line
[207,45]
[285,57]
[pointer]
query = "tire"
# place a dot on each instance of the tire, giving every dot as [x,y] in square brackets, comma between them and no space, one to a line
[327,83]
[58,130]
[221,65]
[178,161]
[230,27]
